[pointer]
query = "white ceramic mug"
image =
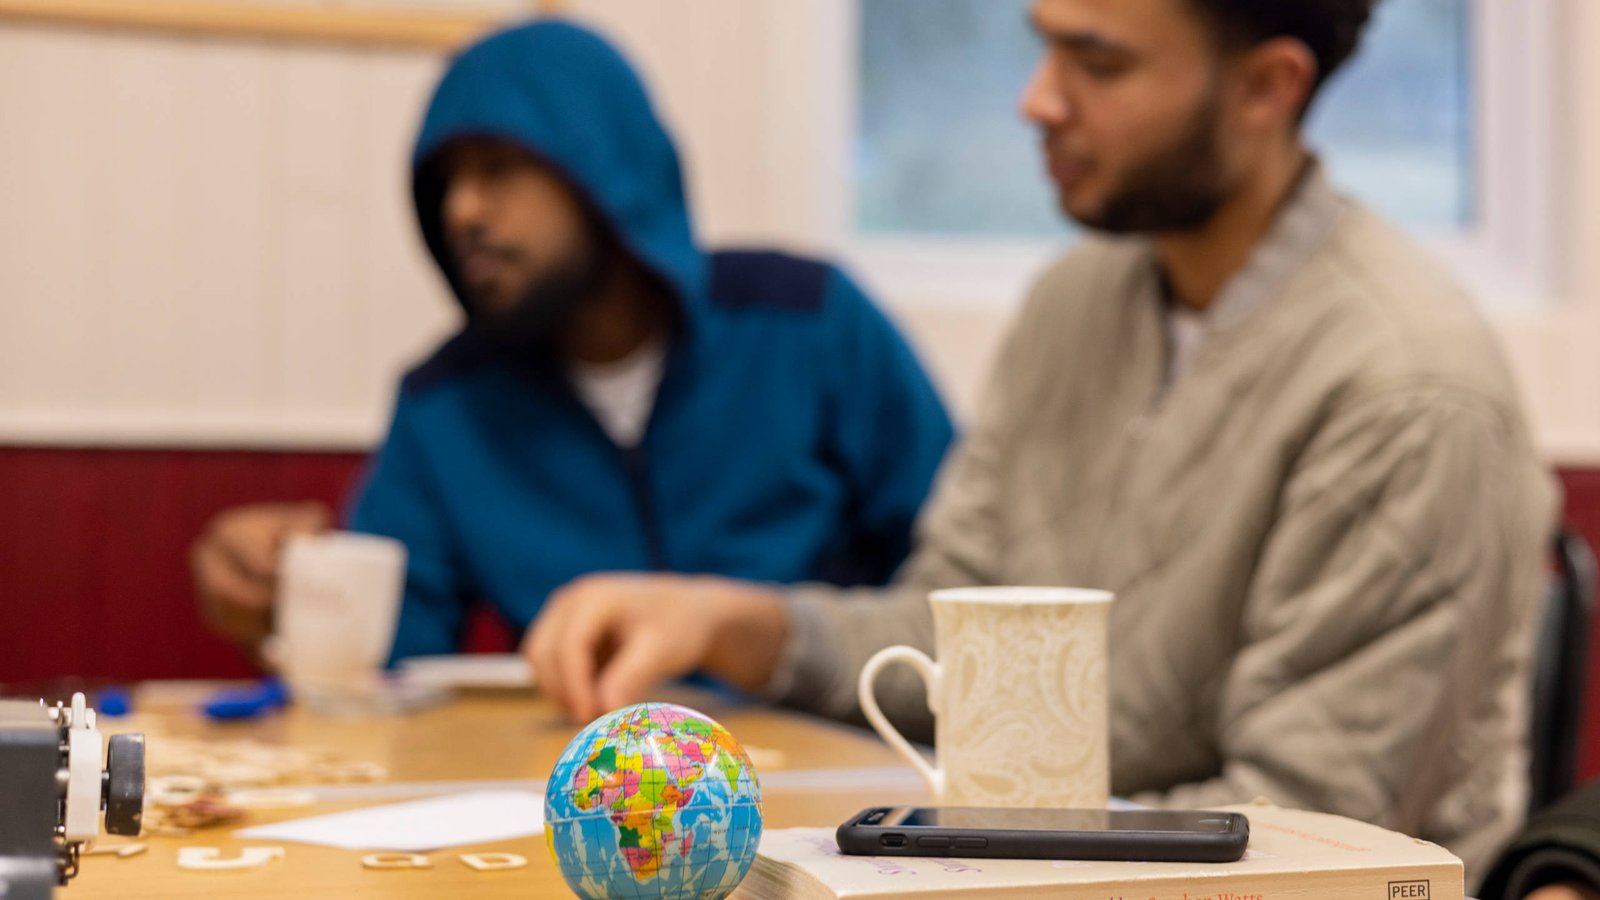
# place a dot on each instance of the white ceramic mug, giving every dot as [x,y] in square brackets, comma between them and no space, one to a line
[334,616]
[1018,694]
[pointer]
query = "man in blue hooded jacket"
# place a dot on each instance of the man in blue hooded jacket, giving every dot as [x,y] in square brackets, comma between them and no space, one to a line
[618,400]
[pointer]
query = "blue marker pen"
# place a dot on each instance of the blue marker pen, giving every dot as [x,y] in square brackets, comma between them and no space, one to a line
[246,703]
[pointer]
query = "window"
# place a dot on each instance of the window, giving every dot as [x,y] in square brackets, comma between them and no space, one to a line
[1396,126]
[940,148]
[1438,122]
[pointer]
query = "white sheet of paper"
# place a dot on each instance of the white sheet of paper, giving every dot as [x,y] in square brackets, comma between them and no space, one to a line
[473,818]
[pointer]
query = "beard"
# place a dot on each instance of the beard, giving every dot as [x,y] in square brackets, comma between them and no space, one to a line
[529,324]
[1178,188]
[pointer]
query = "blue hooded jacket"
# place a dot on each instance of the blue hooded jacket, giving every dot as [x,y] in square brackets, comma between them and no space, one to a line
[793,436]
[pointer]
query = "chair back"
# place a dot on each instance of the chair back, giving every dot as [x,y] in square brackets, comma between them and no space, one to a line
[1560,670]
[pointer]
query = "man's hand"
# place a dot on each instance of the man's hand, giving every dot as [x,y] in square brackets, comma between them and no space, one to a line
[605,640]
[235,565]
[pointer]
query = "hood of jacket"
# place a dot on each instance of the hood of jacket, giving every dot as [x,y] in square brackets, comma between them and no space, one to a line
[568,97]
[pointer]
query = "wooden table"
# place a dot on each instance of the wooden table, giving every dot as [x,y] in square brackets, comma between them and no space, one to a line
[483,737]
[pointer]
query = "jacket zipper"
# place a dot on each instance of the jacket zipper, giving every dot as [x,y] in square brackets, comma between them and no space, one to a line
[636,463]
[1135,435]
[636,468]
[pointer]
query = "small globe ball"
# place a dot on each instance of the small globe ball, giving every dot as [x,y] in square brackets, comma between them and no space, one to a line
[653,800]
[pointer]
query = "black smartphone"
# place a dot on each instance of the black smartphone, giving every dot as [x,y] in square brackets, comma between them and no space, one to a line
[1144,835]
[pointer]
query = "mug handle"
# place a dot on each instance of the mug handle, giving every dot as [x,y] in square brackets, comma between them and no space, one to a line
[931,675]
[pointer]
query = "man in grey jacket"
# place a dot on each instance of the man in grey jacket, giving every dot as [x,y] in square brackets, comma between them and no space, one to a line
[1250,407]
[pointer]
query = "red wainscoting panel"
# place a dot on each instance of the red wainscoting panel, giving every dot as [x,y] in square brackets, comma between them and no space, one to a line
[93,554]
[94,579]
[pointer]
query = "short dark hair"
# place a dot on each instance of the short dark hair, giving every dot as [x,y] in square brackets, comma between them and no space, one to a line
[1331,28]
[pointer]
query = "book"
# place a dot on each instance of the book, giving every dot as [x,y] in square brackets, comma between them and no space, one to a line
[1293,855]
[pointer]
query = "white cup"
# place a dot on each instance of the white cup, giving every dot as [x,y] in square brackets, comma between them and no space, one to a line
[1018,694]
[334,616]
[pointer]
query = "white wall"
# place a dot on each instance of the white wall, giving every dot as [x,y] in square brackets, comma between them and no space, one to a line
[1557,353]
[205,242]
[210,242]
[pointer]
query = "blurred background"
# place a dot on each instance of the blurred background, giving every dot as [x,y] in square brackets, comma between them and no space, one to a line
[210,276]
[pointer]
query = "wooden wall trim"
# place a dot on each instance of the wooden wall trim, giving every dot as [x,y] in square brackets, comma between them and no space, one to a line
[434,30]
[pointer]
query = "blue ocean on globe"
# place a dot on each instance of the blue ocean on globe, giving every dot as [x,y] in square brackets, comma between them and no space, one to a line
[653,801]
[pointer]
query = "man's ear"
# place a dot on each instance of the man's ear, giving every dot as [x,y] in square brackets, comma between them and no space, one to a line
[1275,80]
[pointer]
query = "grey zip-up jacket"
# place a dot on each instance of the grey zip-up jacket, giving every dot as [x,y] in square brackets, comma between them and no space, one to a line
[1325,537]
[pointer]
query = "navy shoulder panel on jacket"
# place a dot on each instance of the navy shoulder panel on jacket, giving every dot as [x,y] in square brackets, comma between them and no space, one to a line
[458,356]
[767,279]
